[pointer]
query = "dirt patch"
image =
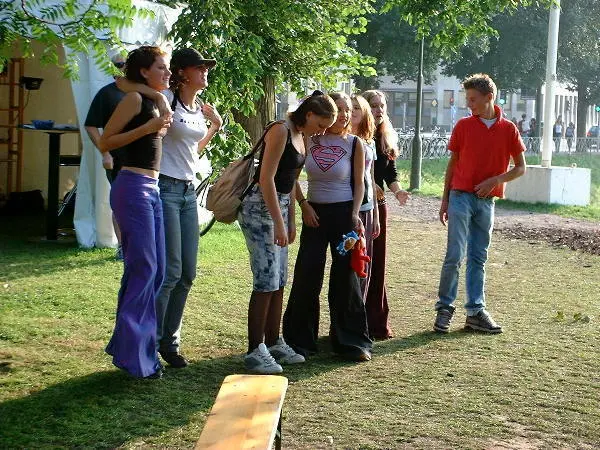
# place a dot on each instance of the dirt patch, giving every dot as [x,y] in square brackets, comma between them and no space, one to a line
[515,224]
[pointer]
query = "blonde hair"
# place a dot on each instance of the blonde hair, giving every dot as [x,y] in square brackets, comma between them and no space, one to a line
[366,128]
[389,137]
[335,96]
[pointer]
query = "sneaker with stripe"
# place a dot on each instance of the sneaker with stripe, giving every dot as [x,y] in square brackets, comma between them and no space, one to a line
[261,361]
[284,354]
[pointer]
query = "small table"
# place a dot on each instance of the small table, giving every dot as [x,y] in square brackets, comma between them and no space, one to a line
[54,162]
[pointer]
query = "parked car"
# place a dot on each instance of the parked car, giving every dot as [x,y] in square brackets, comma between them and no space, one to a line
[594,131]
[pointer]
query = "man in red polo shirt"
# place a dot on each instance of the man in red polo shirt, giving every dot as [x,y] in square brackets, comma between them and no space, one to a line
[482,146]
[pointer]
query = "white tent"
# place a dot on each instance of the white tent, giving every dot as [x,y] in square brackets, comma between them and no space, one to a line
[92,219]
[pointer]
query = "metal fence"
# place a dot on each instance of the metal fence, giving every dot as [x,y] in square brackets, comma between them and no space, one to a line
[437,146]
[433,147]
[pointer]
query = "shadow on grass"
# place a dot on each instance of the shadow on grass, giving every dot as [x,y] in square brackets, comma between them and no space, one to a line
[326,360]
[109,409]
[28,258]
[24,252]
[421,339]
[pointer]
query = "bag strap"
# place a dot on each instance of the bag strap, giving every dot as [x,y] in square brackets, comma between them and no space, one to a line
[352,163]
[259,145]
[176,99]
[174,102]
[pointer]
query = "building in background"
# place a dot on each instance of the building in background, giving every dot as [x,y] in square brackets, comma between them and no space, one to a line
[444,103]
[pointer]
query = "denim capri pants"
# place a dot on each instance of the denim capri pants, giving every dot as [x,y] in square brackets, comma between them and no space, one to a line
[269,262]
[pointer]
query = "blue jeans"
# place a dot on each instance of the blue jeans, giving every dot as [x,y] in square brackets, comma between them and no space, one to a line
[180,213]
[269,262]
[470,224]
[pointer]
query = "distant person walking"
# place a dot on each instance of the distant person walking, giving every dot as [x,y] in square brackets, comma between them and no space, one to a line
[533,127]
[557,132]
[481,149]
[523,125]
[569,134]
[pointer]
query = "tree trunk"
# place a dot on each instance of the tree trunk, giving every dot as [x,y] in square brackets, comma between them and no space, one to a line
[265,112]
[539,112]
[583,104]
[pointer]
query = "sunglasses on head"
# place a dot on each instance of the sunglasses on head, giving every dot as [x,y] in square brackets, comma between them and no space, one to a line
[119,65]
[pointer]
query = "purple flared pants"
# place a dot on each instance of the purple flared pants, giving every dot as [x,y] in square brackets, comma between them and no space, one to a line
[136,204]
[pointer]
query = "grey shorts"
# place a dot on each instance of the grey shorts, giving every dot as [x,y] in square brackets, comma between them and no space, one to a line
[269,262]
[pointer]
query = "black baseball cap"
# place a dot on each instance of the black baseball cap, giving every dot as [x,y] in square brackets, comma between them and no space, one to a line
[189,57]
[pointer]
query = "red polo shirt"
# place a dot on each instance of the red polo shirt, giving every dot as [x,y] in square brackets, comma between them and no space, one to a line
[483,152]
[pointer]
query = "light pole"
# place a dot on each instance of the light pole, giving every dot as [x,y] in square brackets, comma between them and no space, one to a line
[551,56]
[417,144]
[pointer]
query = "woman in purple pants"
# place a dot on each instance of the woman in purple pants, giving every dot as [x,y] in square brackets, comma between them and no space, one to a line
[137,127]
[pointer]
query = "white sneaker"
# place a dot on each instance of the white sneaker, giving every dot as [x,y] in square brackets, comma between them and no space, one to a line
[284,354]
[261,361]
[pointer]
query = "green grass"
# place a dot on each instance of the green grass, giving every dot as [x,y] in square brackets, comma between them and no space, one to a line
[537,384]
[433,171]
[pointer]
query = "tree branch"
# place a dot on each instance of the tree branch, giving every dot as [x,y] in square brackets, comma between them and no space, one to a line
[73,22]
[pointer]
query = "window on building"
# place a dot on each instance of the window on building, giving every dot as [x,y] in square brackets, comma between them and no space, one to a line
[448,98]
[398,105]
[461,99]
[508,101]
[521,103]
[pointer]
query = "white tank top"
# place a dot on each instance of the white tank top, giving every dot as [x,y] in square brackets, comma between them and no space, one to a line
[180,145]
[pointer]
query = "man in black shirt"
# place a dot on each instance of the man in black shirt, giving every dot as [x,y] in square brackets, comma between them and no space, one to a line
[103,105]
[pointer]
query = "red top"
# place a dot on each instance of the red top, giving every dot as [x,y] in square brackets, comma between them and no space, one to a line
[483,152]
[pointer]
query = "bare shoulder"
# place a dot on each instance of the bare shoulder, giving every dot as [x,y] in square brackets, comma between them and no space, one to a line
[133,98]
[277,132]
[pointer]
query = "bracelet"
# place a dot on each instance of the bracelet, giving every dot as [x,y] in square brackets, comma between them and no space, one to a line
[301,201]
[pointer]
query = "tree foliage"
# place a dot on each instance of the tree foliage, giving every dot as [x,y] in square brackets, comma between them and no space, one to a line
[72,23]
[516,57]
[265,43]
[395,30]
[394,45]
[449,23]
[579,49]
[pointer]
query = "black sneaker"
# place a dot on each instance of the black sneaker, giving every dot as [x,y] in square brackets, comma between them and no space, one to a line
[174,359]
[357,355]
[442,320]
[483,322]
[155,376]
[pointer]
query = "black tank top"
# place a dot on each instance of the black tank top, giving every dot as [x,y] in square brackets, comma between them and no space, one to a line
[291,160]
[146,152]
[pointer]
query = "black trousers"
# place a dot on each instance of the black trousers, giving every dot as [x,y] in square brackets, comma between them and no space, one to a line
[349,331]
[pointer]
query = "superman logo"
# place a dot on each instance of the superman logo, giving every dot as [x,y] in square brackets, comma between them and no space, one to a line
[327,157]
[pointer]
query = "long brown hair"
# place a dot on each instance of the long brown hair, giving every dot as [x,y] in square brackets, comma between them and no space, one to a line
[366,128]
[318,103]
[388,136]
[141,58]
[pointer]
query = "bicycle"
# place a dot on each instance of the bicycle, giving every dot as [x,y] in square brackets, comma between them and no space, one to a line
[206,219]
